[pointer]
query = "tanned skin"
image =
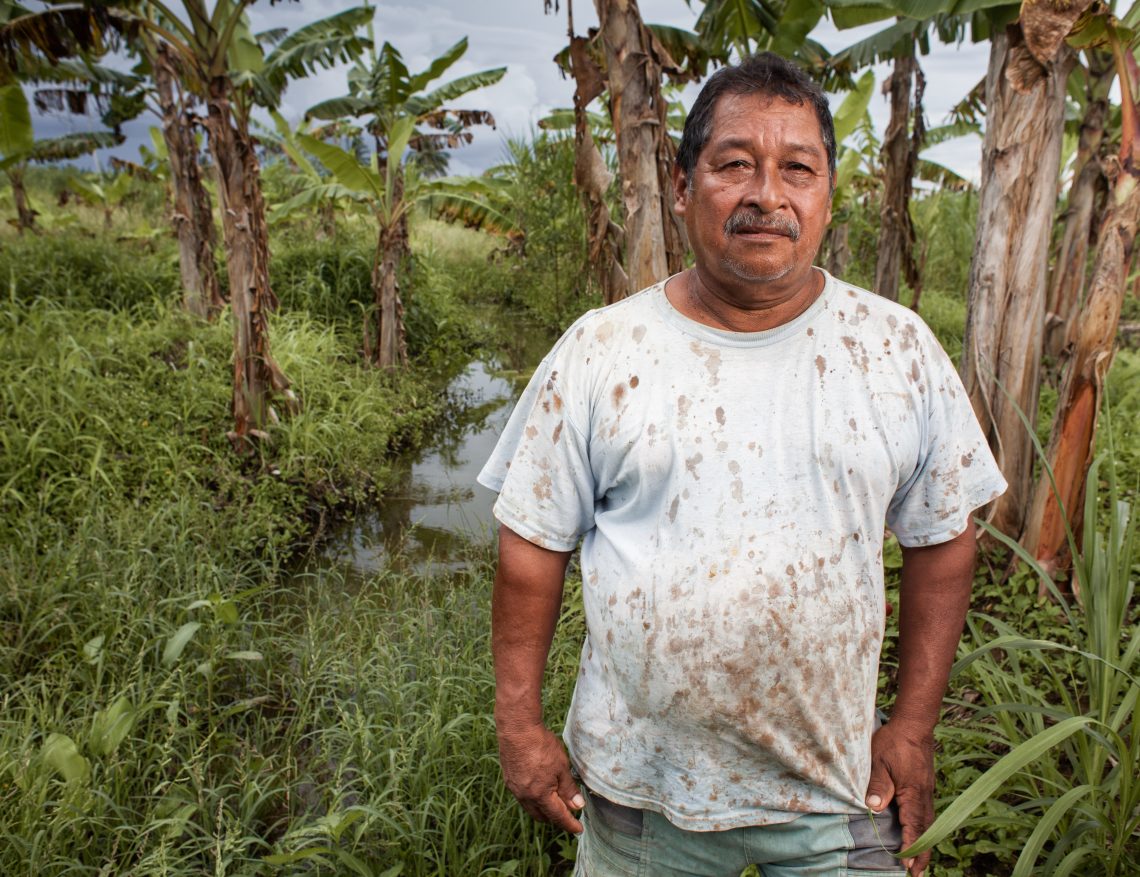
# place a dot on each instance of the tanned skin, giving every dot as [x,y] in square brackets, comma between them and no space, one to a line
[755,206]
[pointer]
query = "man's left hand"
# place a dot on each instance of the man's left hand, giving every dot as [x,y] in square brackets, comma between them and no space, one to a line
[902,770]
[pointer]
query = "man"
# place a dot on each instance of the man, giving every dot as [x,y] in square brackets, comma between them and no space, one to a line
[730,444]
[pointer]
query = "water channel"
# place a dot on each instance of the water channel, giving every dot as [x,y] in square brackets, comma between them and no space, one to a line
[436,511]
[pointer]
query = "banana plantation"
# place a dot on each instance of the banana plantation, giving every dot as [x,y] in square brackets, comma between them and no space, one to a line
[255,357]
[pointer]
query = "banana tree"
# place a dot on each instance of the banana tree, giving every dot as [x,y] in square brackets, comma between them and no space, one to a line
[900,43]
[626,59]
[740,28]
[303,174]
[1058,500]
[1067,279]
[98,191]
[19,147]
[401,116]
[389,195]
[213,55]
[73,85]
[16,143]
[854,168]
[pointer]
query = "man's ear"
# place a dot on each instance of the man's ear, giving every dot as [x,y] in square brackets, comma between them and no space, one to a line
[680,190]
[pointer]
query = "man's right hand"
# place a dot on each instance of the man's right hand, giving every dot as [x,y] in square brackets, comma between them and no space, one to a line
[537,771]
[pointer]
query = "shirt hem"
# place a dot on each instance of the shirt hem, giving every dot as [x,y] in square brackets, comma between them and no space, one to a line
[511,519]
[722,822]
[945,534]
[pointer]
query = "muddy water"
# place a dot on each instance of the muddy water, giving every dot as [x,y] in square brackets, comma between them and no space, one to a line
[435,512]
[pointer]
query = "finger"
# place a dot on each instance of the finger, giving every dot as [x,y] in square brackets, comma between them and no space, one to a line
[880,789]
[569,792]
[914,817]
[555,811]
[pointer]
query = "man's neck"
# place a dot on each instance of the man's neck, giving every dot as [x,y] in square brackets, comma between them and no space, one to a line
[753,309]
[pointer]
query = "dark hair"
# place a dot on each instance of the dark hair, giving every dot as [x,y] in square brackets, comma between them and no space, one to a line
[765,74]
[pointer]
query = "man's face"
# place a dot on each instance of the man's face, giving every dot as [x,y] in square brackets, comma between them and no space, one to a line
[760,196]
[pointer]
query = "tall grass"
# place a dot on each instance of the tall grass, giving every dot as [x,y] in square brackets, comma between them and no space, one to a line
[174,700]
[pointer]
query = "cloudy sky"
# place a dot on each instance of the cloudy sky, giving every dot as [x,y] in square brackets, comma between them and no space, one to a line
[518,35]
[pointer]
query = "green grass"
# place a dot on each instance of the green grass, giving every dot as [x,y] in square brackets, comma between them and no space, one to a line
[177,701]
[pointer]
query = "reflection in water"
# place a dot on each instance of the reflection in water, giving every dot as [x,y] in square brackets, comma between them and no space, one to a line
[436,510]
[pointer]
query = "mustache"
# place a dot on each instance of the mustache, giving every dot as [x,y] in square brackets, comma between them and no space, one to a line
[754,220]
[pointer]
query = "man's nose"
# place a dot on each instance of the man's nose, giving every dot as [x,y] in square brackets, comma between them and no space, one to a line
[766,190]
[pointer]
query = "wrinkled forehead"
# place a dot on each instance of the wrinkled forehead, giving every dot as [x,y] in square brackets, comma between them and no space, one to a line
[753,114]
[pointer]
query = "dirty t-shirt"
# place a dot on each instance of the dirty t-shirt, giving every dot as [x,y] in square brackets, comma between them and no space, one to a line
[732,489]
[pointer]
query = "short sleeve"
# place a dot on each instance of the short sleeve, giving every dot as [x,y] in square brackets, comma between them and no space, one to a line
[540,466]
[955,472]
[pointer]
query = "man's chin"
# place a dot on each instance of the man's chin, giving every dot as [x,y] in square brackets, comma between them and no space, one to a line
[756,273]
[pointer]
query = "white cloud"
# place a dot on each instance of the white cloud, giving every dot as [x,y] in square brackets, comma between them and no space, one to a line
[518,35]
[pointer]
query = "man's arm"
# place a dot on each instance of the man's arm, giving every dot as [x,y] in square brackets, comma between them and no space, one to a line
[524,612]
[933,599]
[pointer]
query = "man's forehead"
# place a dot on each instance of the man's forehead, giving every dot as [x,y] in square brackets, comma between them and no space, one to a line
[732,107]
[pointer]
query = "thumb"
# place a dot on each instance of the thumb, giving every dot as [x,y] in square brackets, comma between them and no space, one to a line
[569,792]
[880,789]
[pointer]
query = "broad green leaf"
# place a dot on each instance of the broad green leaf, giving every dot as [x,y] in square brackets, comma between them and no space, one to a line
[322,43]
[16,136]
[111,726]
[845,171]
[89,190]
[940,175]
[472,212]
[438,67]
[61,754]
[880,46]
[349,172]
[398,136]
[854,106]
[93,648]
[686,48]
[797,20]
[740,24]
[337,823]
[987,785]
[226,611]
[118,188]
[456,88]
[951,131]
[245,656]
[244,52]
[73,145]
[314,197]
[178,642]
[856,15]
[158,143]
[339,108]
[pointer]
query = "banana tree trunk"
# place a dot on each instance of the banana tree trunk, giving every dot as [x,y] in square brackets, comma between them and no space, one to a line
[1005,314]
[637,111]
[592,178]
[1068,279]
[838,244]
[385,345]
[326,217]
[256,376]
[193,214]
[896,232]
[1073,440]
[25,215]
